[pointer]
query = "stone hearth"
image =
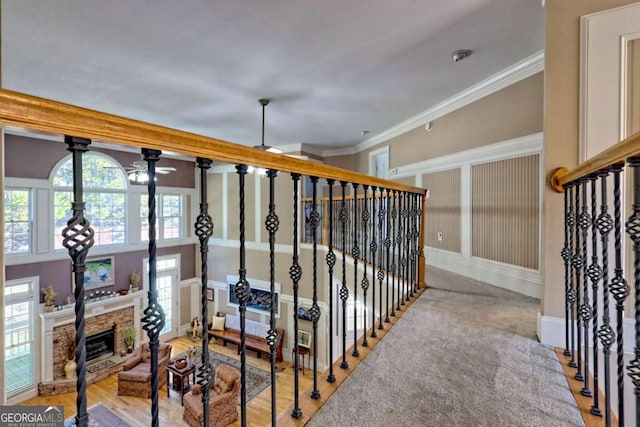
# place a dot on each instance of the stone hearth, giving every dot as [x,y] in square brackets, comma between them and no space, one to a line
[123,311]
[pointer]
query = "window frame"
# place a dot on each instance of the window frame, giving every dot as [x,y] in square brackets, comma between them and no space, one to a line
[124,191]
[30,220]
[160,217]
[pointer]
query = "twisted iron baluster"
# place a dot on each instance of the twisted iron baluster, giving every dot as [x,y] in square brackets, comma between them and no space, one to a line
[204,230]
[398,244]
[272,223]
[355,253]
[344,291]
[331,262]
[571,295]
[407,245]
[387,245]
[585,309]
[605,332]
[577,267]
[154,314]
[365,281]
[394,215]
[295,273]
[314,221]
[242,291]
[374,249]
[595,274]
[413,240]
[382,213]
[420,264]
[619,287]
[633,228]
[566,257]
[404,234]
[77,238]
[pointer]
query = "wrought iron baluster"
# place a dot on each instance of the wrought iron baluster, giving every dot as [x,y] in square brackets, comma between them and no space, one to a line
[365,281]
[585,308]
[577,267]
[595,274]
[272,223]
[374,249]
[633,228]
[355,253]
[619,286]
[566,257]
[344,291]
[394,215]
[400,299]
[204,230]
[387,245]
[314,221]
[242,291]
[571,295]
[412,240]
[382,213]
[295,273]
[154,318]
[78,238]
[331,262]
[605,332]
[407,245]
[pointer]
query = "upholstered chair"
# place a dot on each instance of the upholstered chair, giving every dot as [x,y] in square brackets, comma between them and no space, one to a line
[135,379]
[223,401]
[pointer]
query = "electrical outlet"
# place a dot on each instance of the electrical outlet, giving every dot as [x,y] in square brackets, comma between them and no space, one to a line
[440,236]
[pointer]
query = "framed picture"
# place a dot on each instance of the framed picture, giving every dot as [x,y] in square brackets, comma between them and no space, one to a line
[99,273]
[304,339]
[210,294]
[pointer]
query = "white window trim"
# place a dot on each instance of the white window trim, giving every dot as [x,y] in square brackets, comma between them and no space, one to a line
[31,218]
[33,390]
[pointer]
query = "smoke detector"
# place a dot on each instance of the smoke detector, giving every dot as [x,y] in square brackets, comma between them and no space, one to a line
[459,55]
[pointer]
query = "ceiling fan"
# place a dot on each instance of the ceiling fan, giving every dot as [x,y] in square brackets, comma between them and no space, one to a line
[138,171]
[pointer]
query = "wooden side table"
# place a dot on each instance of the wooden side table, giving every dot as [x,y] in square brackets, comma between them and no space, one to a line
[180,381]
[302,351]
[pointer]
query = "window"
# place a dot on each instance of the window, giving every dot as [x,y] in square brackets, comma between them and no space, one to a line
[19,297]
[168,219]
[17,221]
[105,187]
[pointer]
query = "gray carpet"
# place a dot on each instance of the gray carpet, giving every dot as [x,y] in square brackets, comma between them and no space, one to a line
[464,354]
[99,416]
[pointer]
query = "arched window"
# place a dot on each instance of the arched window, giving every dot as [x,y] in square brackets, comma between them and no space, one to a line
[105,191]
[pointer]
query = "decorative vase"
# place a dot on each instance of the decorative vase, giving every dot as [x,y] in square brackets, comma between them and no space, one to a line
[70,369]
[49,308]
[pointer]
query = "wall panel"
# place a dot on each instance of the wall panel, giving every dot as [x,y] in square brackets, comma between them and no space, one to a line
[443,209]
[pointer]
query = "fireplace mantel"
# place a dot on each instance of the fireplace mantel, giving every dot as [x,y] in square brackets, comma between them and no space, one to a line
[93,308]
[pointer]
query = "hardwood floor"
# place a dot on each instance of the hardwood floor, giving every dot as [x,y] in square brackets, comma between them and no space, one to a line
[136,411]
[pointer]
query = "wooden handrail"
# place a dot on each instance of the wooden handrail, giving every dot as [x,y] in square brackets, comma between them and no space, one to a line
[616,154]
[30,112]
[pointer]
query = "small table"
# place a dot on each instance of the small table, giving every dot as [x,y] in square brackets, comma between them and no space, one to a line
[180,381]
[302,351]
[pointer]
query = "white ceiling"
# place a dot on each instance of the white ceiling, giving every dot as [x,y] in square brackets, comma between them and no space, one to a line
[331,67]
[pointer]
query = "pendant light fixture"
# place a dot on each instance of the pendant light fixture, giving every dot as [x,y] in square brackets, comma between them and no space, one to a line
[264,102]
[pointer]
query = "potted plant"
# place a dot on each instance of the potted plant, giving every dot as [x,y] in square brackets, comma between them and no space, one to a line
[49,298]
[129,336]
[134,281]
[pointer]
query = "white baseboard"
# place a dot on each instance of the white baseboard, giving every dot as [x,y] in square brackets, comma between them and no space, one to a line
[550,331]
[511,277]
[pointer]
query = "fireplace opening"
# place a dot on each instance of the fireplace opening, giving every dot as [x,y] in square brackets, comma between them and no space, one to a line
[101,344]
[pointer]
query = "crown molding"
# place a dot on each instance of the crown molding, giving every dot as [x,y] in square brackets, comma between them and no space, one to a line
[510,75]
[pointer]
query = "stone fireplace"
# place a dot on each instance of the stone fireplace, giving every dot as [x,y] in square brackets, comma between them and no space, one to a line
[105,322]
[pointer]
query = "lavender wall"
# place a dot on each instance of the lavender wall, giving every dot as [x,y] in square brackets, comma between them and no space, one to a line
[42,156]
[58,273]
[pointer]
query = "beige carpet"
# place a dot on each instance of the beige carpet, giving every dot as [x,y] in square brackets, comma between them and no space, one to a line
[464,354]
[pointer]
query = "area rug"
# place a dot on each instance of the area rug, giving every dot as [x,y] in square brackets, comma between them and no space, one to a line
[99,416]
[256,379]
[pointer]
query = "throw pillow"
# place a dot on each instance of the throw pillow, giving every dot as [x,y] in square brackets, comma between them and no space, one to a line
[217,323]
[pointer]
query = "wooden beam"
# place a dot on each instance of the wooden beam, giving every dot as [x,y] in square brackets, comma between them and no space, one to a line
[30,112]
